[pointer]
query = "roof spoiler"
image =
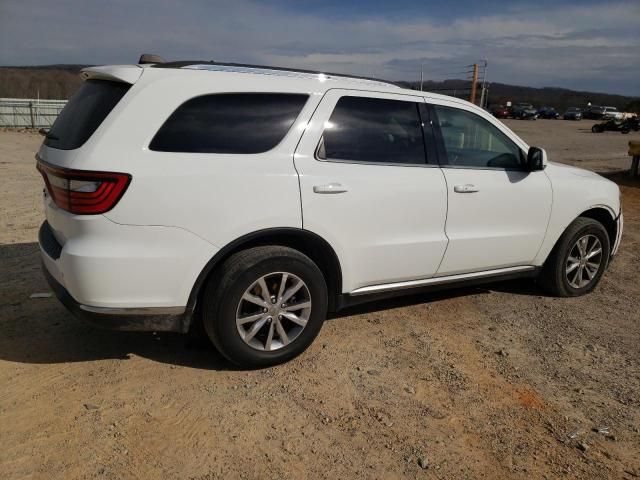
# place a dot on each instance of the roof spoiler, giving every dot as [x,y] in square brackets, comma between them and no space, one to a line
[114,73]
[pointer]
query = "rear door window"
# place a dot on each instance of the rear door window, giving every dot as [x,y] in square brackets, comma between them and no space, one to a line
[373,130]
[232,123]
[84,113]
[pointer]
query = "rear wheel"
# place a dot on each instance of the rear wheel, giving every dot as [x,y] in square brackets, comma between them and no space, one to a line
[578,260]
[265,306]
[597,129]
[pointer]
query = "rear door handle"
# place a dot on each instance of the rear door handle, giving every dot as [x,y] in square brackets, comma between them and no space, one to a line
[330,188]
[468,188]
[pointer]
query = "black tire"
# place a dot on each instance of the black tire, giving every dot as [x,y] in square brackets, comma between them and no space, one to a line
[553,277]
[597,129]
[226,287]
[625,130]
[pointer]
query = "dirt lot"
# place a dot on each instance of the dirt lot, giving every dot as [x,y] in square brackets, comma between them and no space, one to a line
[478,383]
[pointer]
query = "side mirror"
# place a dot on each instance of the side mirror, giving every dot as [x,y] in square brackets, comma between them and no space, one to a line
[43,131]
[536,159]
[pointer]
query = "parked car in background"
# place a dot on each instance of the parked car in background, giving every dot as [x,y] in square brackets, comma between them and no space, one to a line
[548,113]
[593,112]
[499,111]
[573,113]
[175,195]
[524,111]
[611,113]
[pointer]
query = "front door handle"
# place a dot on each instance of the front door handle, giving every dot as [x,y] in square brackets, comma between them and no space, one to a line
[468,188]
[330,188]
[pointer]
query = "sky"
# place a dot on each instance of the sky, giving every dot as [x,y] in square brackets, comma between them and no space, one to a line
[577,44]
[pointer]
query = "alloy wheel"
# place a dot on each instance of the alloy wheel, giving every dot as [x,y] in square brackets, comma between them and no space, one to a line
[584,261]
[273,311]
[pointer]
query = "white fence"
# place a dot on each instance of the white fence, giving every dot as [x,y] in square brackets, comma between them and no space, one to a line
[29,112]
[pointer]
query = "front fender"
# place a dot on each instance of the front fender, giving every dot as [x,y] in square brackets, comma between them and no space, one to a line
[576,191]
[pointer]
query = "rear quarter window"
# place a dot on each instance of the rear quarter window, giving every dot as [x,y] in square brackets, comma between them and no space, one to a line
[84,113]
[231,123]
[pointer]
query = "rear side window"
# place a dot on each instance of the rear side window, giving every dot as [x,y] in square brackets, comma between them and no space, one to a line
[84,113]
[373,130]
[229,123]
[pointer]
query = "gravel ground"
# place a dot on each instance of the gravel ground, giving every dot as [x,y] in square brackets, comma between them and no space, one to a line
[499,382]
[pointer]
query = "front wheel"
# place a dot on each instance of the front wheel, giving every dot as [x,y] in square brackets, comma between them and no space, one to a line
[578,260]
[265,306]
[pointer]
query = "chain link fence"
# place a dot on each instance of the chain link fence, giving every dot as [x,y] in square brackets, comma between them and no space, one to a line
[29,112]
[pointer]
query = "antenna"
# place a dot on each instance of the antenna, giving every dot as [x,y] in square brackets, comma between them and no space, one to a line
[146,58]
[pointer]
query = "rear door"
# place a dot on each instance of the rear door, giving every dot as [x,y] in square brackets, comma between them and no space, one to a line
[369,188]
[498,211]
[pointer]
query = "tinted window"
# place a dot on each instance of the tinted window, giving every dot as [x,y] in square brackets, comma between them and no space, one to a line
[373,130]
[229,123]
[472,141]
[84,113]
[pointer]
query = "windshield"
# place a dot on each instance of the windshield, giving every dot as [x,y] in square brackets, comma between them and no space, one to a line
[84,113]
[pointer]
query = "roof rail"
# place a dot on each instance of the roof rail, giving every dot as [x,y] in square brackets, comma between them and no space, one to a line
[187,63]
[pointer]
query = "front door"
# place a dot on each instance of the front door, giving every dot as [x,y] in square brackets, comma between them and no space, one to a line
[498,211]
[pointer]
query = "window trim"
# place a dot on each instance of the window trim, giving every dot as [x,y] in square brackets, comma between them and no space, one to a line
[211,94]
[428,134]
[418,104]
[443,158]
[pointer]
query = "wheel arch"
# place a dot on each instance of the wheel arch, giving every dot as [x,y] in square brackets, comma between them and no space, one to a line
[607,219]
[310,244]
[601,213]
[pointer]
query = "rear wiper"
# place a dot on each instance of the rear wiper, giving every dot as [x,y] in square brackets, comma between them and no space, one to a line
[46,133]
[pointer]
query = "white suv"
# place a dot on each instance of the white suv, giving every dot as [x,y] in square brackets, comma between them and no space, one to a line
[256,200]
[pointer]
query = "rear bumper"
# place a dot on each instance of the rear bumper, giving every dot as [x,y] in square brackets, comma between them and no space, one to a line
[83,284]
[135,319]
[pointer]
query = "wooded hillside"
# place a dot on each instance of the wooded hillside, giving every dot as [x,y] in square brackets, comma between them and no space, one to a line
[559,98]
[55,82]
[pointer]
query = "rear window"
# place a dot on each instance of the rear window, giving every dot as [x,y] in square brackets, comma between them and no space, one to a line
[84,113]
[240,123]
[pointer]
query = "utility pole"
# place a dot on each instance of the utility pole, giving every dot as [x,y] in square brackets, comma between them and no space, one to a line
[421,75]
[483,97]
[474,83]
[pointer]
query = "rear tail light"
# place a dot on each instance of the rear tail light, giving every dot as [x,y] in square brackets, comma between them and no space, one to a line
[83,192]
